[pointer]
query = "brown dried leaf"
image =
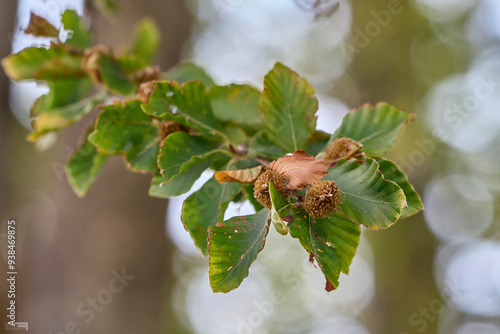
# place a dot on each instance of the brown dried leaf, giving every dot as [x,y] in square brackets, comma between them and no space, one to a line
[299,169]
[248,175]
[38,26]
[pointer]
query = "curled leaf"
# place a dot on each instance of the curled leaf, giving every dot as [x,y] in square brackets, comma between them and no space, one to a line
[147,74]
[248,175]
[299,169]
[261,190]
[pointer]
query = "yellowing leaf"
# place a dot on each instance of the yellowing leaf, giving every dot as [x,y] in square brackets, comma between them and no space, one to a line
[299,169]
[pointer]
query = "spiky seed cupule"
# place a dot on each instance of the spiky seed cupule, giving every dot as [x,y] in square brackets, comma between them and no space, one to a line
[322,198]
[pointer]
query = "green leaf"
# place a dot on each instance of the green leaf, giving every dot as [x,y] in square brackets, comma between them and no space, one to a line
[145,42]
[188,72]
[54,119]
[125,129]
[44,64]
[186,104]
[83,167]
[233,247]
[392,172]
[289,106]
[237,104]
[181,151]
[281,213]
[342,234]
[178,185]
[367,198]
[79,36]
[260,145]
[113,76]
[377,128]
[305,229]
[205,208]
